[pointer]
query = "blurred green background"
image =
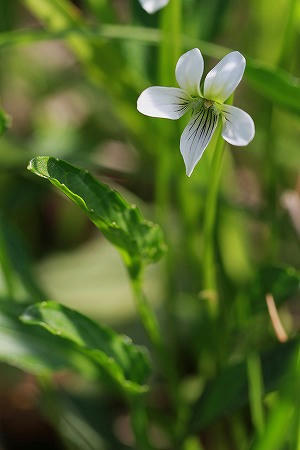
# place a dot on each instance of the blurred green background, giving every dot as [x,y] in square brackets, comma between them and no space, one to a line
[70,75]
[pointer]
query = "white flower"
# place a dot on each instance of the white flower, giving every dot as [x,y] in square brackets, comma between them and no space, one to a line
[207,107]
[151,6]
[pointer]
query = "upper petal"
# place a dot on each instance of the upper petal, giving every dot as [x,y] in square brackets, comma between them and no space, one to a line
[196,137]
[238,128]
[189,71]
[165,102]
[222,80]
[151,6]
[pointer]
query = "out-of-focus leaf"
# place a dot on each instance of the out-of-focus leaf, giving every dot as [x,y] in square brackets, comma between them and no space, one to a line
[122,361]
[79,274]
[282,282]
[4,122]
[18,260]
[34,350]
[275,84]
[229,391]
[88,417]
[139,241]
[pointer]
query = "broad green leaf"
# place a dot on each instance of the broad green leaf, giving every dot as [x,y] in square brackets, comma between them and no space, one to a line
[275,84]
[229,391]
[280,281]
[34,350]
[139,241]
[122,361]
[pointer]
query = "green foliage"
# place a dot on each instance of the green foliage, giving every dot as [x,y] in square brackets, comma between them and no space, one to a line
[229,391]
[282,282]
[124,363]
[284,418]
[16,262]
[4,122]
[70,82]
[28,347]
[275,84]
[139,241]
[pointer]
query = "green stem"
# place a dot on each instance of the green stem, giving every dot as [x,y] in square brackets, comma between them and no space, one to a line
[146,314]
[170,49]
[255,392]
[152,328]
[209,269]
[170,45]
[169,52]
[6,269]
[139,423]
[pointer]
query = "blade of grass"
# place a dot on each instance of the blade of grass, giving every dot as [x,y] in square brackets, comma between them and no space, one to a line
[255,386]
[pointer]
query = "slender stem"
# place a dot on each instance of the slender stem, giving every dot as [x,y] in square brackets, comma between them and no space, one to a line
[209,270]
[170,45]
[139,423]
[147,315]
[6,269]
[255,391]
[169,51]
[152,328]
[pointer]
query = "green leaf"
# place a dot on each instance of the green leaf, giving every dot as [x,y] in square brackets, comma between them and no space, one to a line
[87,420]
[280,281]
[275,84]
[229,391]
[139,241]
[28,347]
[15,260]
[123,362]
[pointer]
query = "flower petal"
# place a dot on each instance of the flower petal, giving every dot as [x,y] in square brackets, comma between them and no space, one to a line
[165,102]
[196,136]
[222,80]
[238,128]
[151,6]
[189,71]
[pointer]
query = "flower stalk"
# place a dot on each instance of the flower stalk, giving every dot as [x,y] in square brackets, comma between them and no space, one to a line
[209,266]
